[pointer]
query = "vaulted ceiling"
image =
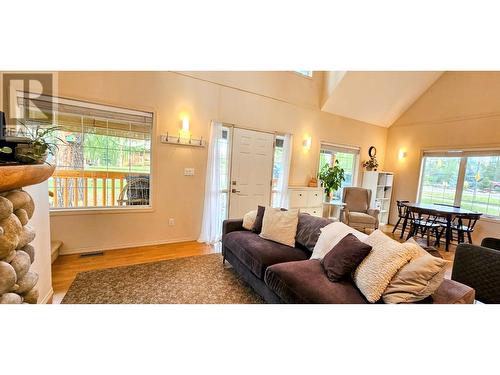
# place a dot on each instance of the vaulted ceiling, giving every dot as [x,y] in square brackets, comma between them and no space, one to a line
[378,98]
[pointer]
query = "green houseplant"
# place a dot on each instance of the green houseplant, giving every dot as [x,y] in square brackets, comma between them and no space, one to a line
[331,178]
[38,147]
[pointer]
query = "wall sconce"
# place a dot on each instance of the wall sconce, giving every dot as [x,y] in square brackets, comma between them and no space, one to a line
[306,143]
[402,154]
[183,138]
[184,132]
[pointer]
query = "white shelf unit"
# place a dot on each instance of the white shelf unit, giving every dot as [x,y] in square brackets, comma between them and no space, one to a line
[306,199]
[380,183]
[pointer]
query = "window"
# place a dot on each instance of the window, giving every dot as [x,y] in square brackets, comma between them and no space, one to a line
[104,153]
[347,158]
[306,73]
[277,171]
[224,157]
[469,179]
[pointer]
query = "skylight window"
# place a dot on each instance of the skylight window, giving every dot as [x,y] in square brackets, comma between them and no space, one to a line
[305,73]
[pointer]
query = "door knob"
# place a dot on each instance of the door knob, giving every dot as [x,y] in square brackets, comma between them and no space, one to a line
[234,191]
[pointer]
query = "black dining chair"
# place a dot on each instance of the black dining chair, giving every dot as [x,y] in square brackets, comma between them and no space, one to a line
[464,225]
[425,223]
[401,215]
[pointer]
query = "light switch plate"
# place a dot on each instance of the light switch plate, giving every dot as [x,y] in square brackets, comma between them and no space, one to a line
[188,171]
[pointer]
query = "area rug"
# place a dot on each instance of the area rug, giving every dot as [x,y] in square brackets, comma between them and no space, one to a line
[191,280]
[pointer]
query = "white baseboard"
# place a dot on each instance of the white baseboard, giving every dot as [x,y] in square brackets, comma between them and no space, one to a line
[47,297]
[91,249]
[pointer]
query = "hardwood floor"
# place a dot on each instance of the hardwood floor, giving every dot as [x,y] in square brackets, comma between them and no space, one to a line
[66,267]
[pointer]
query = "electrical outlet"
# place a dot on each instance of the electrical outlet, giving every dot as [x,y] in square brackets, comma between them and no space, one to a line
[171,221]
[188,171]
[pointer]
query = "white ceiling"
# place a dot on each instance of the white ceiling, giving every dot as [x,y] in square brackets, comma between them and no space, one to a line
[378,98]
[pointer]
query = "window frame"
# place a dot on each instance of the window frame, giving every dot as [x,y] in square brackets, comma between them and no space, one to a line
[356,152]
[463,154]
[98,104]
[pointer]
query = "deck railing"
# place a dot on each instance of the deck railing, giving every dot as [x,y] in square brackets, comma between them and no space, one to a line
[80,189]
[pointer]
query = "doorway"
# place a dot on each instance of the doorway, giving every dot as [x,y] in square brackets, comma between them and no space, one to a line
[251,171]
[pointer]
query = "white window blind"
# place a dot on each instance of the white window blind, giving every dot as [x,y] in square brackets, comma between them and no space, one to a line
[104,152]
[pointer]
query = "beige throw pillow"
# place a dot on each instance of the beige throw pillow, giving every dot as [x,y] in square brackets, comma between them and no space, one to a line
[416,280]
[376,271]
[249,219]
[280,226]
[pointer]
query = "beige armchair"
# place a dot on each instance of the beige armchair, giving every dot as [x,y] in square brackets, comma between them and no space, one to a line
[357,211]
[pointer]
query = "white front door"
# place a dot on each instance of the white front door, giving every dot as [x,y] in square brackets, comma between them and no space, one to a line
[251,171]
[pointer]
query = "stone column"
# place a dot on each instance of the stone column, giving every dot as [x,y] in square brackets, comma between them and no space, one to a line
[17,282]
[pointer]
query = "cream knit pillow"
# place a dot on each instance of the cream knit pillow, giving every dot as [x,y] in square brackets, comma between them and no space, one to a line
[249,219]
[280,226]
[375,272]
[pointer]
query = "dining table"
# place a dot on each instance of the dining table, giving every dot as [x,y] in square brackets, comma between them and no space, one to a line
[445,211]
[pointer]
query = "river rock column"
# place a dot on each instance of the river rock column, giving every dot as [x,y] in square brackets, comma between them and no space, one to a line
[17,281]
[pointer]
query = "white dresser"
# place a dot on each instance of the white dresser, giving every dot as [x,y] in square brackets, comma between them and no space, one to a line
[306,199]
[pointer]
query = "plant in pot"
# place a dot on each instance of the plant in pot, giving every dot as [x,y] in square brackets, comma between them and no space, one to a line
[39,145]
[331,178]
[371,164]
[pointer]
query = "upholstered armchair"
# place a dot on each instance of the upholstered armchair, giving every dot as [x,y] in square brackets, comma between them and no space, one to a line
[357,211]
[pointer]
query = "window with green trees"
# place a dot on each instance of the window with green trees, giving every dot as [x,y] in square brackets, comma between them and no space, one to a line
[103,156]
[469,179]
[348,160]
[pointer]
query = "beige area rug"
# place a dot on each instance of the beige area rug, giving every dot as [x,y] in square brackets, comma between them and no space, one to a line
[198,279]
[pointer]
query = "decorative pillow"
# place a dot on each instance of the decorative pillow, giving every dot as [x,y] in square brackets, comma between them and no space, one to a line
[418,279]
[257,225]
[376,271]
[280,226]
[345,257]
[309,229]
[331,235]
[249,219]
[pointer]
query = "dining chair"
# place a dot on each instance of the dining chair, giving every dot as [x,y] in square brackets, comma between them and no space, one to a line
[465,225]
[402,208]
[426,224]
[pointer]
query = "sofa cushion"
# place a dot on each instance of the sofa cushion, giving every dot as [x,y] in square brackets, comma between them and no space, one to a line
[345,257]
[361,218]
[280,226]
[375,272]
[257,224]
[249,219]
[306,282]
[258,253]
[309,229]
[331,235]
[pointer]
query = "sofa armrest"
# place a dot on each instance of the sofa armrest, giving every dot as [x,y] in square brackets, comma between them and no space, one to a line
[231,225]
[374,212]
[453,292]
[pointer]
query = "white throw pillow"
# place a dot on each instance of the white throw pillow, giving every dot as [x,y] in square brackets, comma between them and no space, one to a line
[280,226]
[376,271]
[331,235]
[249,219]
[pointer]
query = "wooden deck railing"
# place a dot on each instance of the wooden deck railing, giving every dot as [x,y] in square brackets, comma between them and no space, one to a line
[77,188]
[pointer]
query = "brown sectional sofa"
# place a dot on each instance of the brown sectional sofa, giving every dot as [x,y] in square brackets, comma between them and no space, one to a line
[282,274]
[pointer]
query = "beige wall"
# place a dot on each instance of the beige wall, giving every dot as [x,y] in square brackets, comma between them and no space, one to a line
[267,107]
[462,109]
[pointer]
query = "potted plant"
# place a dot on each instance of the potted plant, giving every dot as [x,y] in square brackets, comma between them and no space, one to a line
[371,164]
[331,178]
[38,147]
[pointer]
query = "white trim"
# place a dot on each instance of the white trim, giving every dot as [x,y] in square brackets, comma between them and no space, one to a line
[101,210]
[125,245]
[48,296]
